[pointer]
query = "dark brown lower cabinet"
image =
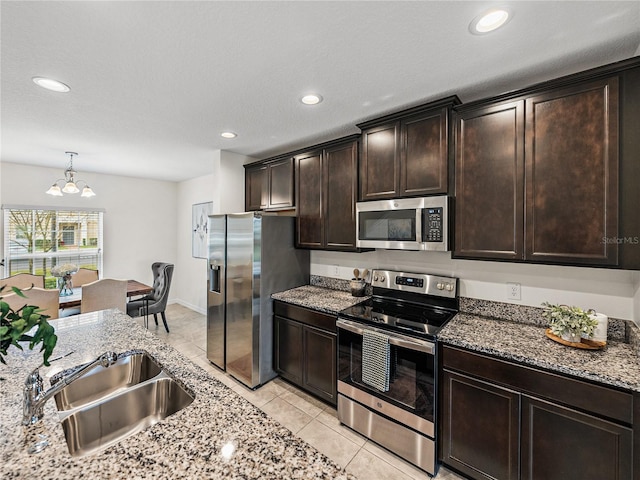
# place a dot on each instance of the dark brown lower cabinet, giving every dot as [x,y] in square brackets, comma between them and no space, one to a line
[560,443]
[500,420]
[482,427]
[305,349]
[288,348]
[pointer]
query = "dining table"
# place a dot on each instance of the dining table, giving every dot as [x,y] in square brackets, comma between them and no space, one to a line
[134,289]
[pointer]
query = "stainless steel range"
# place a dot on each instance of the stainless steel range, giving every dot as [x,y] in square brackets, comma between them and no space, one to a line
[387,362]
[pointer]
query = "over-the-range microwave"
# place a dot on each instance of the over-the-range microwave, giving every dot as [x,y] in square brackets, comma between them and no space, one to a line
[404,224]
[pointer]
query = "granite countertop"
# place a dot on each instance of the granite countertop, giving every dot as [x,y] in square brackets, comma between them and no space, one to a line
[617,364]
[185,445]
[319,298]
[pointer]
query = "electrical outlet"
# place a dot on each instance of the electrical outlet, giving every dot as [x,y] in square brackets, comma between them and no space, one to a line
[336,270]
[513,291]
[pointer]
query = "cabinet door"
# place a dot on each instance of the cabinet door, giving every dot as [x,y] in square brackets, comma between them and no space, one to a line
[309,220]
[281,184]
[424,154]
[340,178]
[319,366]
[256,188]
[288,348]
[572,174]
[559,443]
[379,162]
[489,206]
[480,428]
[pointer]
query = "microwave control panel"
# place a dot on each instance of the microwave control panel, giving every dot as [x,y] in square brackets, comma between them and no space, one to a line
[433,224]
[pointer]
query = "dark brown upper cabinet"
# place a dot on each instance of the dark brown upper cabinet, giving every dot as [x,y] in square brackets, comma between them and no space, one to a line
[571,159]
[326,193]
[537,176]
[269,185]
[489,203]
[406,154]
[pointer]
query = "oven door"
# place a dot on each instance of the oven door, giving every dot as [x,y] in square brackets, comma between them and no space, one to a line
[410,399]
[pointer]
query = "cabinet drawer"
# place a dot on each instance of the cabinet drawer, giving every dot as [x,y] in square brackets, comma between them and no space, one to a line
[305,315]
[600,400]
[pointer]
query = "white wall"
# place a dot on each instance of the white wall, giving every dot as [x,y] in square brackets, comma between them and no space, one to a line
[225,188]
[613,292]
[190,274]
[139,219]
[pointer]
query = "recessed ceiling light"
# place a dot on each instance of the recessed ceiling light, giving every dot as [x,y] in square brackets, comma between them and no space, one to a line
[311,99]
[51,84]
[489,21]
[228,135]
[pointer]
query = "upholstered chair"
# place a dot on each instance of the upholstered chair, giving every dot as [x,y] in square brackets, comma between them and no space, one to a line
[84,276]
[47,300]
[22,280]
[156,300]
[104,294]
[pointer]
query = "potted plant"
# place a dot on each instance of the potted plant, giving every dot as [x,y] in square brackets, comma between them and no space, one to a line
[15,326]
[569,323]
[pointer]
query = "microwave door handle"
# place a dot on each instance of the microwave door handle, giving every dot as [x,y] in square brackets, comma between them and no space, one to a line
[417,345]
[419,231]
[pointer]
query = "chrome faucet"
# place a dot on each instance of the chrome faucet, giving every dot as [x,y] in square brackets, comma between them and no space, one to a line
[35,397]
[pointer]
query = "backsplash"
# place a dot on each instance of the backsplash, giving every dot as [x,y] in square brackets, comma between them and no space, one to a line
[335,283]
[617,329]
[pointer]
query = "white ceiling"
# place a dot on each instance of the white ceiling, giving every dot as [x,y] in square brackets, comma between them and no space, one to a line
[154,83]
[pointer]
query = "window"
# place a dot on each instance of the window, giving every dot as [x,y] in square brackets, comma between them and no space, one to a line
[37,239]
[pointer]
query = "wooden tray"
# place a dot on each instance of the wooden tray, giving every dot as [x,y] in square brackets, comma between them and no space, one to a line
[585,343]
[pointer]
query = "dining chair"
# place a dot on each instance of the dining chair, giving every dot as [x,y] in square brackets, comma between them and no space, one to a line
[156,301]
[104,294]
[22,280]
[45,299]
[84,276]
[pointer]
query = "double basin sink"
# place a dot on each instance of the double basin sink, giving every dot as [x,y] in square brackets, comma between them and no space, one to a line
[108,404]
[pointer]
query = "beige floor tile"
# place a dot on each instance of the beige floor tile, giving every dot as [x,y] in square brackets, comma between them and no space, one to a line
[284,384]
[405,467]
[331,443]
[258,397]
[289,416]
[366,466]
[329,417]
[446,474]
[304,402]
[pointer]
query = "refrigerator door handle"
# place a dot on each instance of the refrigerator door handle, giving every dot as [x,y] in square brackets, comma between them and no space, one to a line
[214,278]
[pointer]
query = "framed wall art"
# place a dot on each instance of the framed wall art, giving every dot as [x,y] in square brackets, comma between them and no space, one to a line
[199,231]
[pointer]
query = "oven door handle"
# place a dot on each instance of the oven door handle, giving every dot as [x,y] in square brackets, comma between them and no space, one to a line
[396,340]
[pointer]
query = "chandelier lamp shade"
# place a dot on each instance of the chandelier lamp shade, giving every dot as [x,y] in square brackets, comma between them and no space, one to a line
[71,185]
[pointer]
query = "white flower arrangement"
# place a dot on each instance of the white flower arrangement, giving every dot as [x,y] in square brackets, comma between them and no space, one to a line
[64,270]
[572,321]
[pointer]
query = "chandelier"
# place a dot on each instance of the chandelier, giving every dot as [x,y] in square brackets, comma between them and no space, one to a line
[70,184]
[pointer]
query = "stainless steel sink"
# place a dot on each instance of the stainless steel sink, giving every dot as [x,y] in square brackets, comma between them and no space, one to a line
[100,381]
[110,406]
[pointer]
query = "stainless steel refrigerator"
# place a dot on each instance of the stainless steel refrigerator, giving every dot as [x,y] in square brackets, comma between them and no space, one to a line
[251,256]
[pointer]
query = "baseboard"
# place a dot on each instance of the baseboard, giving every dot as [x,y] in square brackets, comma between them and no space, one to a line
[188,305]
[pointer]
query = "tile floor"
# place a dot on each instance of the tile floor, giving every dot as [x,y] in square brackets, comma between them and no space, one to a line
[309,418]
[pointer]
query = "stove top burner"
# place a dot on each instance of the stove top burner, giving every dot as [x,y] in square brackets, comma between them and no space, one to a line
[415,304]
[418,320]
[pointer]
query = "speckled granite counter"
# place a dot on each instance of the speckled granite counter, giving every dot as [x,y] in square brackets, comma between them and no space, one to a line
[186,445]
[323,299]
[617,365]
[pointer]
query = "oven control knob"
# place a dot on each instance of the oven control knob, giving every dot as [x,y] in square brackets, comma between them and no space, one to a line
[439,286]
[449,287]
[375,279]
[382,278]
